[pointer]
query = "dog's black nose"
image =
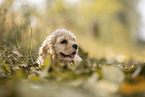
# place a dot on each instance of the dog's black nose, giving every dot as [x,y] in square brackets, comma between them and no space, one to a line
[75,46]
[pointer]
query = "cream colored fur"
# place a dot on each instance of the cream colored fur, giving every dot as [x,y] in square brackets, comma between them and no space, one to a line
[52,45]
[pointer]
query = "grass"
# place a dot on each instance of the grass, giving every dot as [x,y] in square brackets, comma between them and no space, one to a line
[106,76]
[18,64]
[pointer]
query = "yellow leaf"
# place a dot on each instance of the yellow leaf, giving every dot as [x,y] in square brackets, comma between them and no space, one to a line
[7,68]
[46,62]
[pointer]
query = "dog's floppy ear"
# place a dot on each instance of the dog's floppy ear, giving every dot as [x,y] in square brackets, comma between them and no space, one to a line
[47,47]
[51,42]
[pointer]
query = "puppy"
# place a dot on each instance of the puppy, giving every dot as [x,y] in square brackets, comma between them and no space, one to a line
[61,46]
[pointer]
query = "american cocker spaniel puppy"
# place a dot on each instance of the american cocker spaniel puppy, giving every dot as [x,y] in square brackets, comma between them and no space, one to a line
[61,46]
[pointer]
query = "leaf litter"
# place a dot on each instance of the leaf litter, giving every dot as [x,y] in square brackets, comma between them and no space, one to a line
[21,76]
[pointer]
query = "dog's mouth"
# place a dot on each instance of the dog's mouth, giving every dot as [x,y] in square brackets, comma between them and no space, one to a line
[71,55]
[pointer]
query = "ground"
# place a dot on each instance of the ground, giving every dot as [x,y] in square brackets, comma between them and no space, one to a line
[21,76]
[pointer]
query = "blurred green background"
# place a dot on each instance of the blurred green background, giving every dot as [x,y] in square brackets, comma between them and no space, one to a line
[104,28]
[109,31]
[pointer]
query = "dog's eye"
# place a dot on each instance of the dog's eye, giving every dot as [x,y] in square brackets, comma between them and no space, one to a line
[63,42]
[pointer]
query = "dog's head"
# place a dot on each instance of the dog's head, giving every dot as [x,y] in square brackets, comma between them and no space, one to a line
[62,46]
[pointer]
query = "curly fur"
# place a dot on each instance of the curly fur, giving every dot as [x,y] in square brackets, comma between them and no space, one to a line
[52,46]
